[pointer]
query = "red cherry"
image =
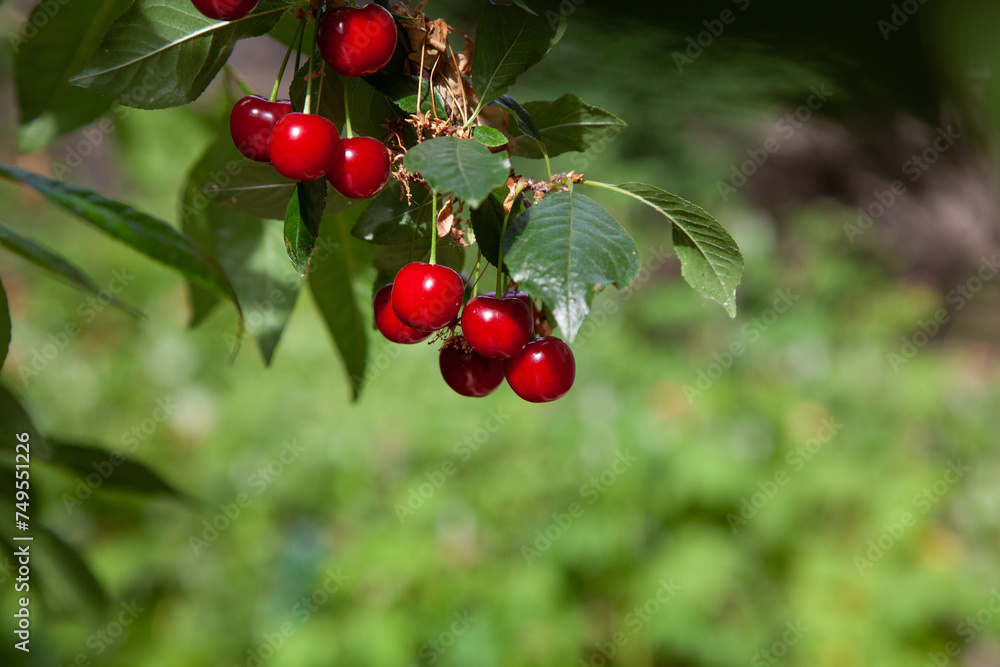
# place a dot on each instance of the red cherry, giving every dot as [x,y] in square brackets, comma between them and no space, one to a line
[225,10]
[389,324]
[497,328]
[468,373]
[542,371]
[357,41]
[360,167]
[251,123]
[427,296]
[302,146]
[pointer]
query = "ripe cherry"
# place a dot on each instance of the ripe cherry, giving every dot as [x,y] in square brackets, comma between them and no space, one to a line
[469,373]
[542,371]
[251,123]
[225,10]
[427,296]
[360,167]
[357,41]
[497,328]
[302,146]
[389,324]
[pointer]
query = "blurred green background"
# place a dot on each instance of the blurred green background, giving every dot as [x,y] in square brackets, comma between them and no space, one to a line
[778,489]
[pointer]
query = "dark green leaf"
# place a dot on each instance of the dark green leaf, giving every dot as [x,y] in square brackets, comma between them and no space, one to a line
[463,167]
[329,89]
[331,282]
[53,263]
[163,53]
[116,471]
[5,325]
[711,262]
[509,40]
[64,40]
[150,236]
[254,188]
[403,90]
[64,570]
[305,212]
[568,124]
[251,251]
[391,218]
[370,109]
[525,123]
[488,136]
[14,419]
[566,249]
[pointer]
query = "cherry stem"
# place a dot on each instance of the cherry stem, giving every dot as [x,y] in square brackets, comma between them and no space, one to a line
[476,274]
[434,226]
[312,64]
[506,219]
[298,49]
[284,62]
[347,117]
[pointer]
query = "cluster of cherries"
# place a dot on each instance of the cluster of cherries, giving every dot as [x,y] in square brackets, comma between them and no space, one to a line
[354,41]
[496,339]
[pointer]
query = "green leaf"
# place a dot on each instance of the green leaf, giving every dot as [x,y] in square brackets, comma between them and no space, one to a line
[254,188]
[390,219]
[150,236]
[64,569]
[568,124]
[525,123]
[331,282]
[53,263]
[305,212]
[250,250]
[370,109]
[566,249]
[509,40]
[125,475]
[403,90]
[711,262]
[488,136]
[163,53]
[50,107]
[5,325]
[463,167]
[14,419]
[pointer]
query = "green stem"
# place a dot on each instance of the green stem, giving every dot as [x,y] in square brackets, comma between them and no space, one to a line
[347,117]
[473,117]
[545,154]
[476,274]
[503,230]
[284,63]
[312,64]
[298,48]
[434,226]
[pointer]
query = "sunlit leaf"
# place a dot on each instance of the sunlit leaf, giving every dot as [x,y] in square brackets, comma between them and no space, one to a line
[566,249]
